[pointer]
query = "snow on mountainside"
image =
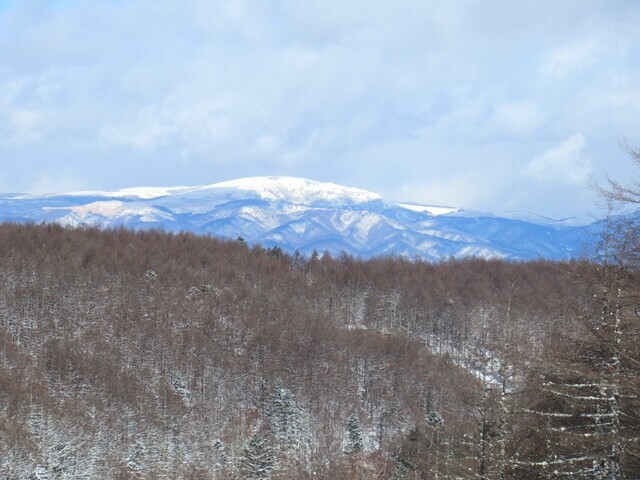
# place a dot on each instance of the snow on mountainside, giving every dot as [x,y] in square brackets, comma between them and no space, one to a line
[304,215]
[297,190]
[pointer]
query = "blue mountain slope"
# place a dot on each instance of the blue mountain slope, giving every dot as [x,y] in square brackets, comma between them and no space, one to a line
[303,215]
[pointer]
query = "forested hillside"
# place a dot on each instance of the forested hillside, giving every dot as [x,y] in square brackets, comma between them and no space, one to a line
[149,355]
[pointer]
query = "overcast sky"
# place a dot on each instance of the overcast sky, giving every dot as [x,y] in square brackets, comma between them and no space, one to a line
[494,105]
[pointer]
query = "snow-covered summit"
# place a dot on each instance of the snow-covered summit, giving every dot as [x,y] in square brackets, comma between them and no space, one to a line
[296,190]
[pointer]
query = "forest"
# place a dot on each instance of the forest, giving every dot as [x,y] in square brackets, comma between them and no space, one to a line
[144,355]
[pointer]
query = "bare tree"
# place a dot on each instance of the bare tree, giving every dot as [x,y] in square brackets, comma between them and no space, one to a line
[618,256]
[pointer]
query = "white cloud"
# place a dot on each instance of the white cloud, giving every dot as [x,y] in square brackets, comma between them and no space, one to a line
[466,189]
[23,127]
[571,58]
[382,93]
[565,162]
[55,182]
[175,121]
[520,119]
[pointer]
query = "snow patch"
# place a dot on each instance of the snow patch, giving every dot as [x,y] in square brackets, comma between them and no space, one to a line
[113,209]
[430,209]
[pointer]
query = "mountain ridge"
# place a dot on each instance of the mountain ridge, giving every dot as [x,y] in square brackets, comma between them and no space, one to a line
[304,215]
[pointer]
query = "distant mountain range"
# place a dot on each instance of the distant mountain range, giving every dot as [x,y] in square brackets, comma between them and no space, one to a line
[304,215]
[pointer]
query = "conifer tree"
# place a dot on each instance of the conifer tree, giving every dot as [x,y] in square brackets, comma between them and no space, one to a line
[587,400]
[258,458]
[353,440]
[283,415]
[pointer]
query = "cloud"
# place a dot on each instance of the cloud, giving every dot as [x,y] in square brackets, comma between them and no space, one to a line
[22,127]
[518,118]
[572,58]
[565,162]
[368,93]
[55,182]
[188,122]
[458,191]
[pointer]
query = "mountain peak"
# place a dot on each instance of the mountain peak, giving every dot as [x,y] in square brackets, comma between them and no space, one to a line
[296,190]
[293,190]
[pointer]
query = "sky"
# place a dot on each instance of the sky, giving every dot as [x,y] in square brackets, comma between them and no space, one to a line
[492,105]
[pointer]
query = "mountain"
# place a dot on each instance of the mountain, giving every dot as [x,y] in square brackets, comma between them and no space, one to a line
[304,215]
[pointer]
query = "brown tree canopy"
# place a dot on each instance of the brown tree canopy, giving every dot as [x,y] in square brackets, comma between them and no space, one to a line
[154,355]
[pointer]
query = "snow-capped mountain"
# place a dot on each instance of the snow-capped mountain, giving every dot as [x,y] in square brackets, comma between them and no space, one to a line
[304,215]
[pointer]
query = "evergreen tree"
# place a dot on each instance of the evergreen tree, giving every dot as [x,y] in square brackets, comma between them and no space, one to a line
[283,416]
[258,459]
[220,454]
[353,440]
[587,400]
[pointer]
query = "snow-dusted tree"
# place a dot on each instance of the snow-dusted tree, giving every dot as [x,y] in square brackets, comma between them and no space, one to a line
[353,439]
[616,329]
[355,306]
[220,454]
[136,456]
[283,415]
[67,451]
[422,451]
[400,470]
[289,423]
[258,459]
[571,422]
[588,400]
